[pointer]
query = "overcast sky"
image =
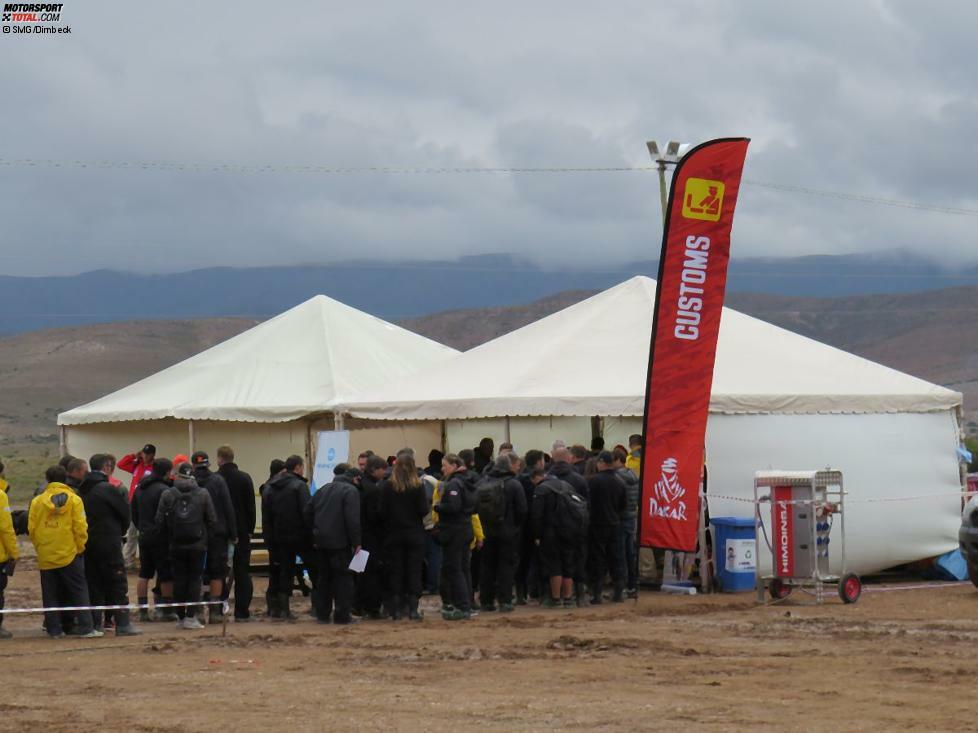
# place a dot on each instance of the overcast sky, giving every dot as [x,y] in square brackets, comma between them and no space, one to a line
[875,98]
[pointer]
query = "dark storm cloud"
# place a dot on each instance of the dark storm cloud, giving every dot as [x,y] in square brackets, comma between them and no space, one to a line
[873,98]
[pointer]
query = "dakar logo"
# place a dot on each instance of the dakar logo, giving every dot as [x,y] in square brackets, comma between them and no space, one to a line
[667,493]
[703,199]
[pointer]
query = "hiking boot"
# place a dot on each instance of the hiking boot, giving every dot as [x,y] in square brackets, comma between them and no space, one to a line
[144,617]
[551,602]
[632,593]
[413,613]
[596,600]
[243,619]
[569,603]
[128,630]
[506,608]
[488,608]
[215,615]
[456,614]
[57,635]
[347,622]
[520,600]
[447,611]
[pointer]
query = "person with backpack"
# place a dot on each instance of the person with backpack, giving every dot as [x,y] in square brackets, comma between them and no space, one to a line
[283,507]
[559,525]
[454,509]
[501,505]
[333,514]
[562,467]
[107,512]
[225,530]
[58,529]
[403,508]
[186,517]
[628,529]
[607,505]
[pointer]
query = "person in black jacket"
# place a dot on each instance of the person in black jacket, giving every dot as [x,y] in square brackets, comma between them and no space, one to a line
[225,530]
[107,512]
[502,539]
[186,517]
[607,504]
[455,535]
[560,557]
[527,571]
[242,491]
[628,530]
[403,506]
[272,591]
[282,505]
[370,583]
[333,515]
[154,553]
[563,469]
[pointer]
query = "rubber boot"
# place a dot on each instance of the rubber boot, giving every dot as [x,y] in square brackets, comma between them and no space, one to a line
[413,613]
[284,610]
[215,613]
[144,617]
[619,595]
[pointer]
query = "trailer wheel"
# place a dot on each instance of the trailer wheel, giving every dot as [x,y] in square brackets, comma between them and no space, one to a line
[850,588]
[778,589]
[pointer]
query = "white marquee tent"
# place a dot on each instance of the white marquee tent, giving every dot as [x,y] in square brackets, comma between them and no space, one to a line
[780,401]
[265,391]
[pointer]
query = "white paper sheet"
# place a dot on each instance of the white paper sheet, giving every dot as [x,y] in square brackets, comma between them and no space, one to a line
[359,562]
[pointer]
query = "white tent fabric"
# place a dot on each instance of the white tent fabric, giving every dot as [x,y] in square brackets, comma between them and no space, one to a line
[592,358]
[301,362]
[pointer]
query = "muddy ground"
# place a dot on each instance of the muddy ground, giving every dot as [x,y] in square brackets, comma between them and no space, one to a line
[897,660]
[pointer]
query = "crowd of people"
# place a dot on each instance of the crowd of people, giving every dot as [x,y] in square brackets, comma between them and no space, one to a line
[487,531]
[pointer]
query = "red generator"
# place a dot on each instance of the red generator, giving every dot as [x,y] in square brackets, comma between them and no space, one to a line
[804,508]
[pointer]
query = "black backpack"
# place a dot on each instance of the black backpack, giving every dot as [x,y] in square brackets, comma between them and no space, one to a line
[490,503]
[186,520]
[571,516]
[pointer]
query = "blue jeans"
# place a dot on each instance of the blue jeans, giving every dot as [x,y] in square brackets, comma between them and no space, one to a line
[628,552]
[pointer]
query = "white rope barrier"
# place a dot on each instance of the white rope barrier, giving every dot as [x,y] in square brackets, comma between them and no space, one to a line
[854,500]
[225,607]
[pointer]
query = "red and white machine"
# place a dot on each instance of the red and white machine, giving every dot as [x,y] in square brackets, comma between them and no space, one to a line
[804,508]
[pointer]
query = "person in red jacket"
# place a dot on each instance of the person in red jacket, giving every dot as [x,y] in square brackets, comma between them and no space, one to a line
[139,465]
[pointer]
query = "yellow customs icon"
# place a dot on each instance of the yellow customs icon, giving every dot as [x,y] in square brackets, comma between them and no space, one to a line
[703,199]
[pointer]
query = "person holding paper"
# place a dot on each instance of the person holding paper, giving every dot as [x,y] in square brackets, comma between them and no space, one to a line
[333,514]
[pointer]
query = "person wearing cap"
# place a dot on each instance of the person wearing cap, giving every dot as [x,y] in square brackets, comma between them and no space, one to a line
[224,530]
[186,517]
[333,515]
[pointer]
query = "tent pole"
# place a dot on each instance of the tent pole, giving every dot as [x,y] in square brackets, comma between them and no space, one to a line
[63,440]
[191,437]
[338,421]
[507,432]
[310,458]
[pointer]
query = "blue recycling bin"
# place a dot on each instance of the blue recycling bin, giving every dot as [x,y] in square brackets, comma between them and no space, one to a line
[734,553]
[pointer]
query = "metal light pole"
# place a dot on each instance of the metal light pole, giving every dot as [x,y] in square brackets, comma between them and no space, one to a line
[670,156]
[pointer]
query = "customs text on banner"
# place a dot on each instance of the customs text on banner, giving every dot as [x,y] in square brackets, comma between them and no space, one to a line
[688,303]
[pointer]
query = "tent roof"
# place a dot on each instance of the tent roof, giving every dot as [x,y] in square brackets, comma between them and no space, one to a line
[592,359]
[301,362]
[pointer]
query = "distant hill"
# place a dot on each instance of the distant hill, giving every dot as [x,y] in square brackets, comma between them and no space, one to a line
[927,334]
[411,289]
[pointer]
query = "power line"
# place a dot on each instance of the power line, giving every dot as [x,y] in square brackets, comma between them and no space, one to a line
[450,170]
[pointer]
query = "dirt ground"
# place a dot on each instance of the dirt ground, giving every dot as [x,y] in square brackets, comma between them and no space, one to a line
[896,660]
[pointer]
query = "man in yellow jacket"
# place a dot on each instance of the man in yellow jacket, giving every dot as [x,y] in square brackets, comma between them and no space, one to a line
[57,526]
[8,547]
[634,460]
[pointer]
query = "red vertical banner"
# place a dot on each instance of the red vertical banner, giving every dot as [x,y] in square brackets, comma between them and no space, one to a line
[688,303]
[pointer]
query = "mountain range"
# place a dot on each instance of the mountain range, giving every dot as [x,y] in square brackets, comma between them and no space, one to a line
[411,289]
